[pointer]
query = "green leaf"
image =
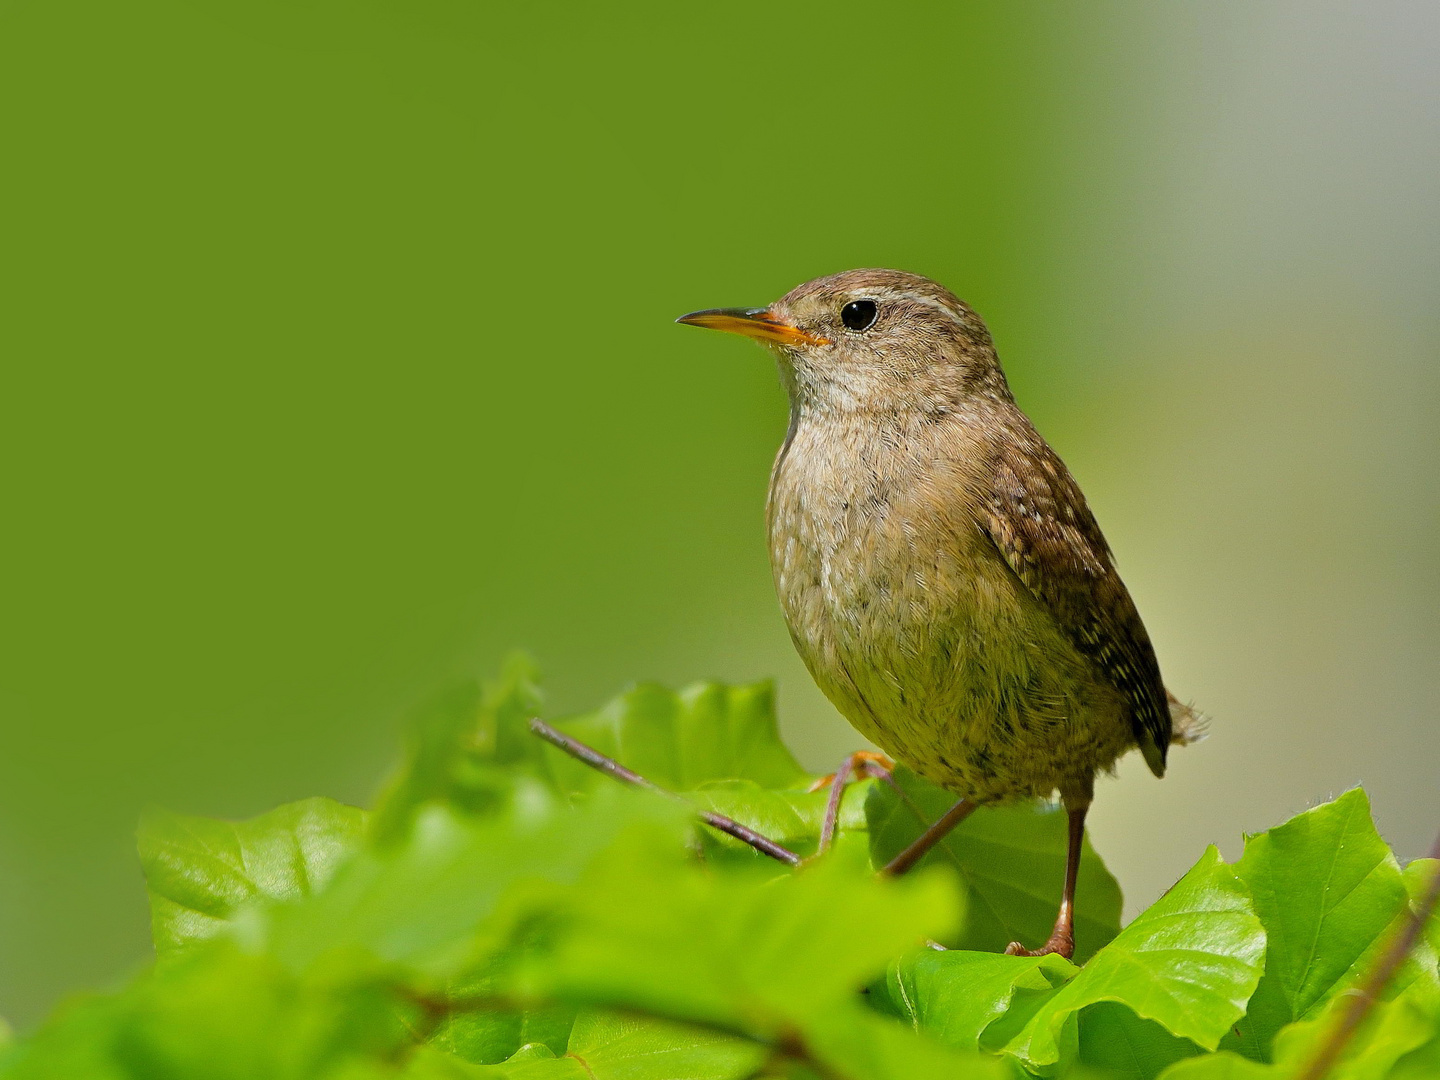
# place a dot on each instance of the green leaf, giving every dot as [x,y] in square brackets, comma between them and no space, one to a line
[860,1045]
[239,1017]
[1325,886]
[1418,876]
[507,704]
[957,996]
[647,930]
[607,1046]
[424,903]
[534,1063]
[1190,962]
[218,1013]
[680,741]
[1393,1030]
[427,1063]
[1222,1066]
[438,734]
[613,1047]
[1121,1046]
[78,1041]
[200,871]
[1011,862]
[455,743]
[490,1036]
[1422,1063]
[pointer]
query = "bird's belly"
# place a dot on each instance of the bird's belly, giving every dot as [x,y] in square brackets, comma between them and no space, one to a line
[939,655]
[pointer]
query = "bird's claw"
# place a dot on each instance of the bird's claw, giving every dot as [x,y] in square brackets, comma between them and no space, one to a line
[1059,945]
[863,764]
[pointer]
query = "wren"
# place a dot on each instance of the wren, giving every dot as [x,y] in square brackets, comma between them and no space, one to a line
[940,572]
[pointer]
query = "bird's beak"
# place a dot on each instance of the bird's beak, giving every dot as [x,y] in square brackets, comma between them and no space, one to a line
[755,323]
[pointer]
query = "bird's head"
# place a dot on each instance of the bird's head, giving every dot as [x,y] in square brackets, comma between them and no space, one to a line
[871,340]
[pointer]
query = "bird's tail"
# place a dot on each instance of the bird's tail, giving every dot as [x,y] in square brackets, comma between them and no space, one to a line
[1187,723]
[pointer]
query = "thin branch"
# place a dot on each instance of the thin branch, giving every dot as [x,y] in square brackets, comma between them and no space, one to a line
[1366,996]
[612,768]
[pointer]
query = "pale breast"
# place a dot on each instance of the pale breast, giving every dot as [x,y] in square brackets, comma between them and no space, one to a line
[911,622]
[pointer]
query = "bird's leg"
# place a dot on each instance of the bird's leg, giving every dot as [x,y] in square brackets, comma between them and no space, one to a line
[863,764]
[929,838]
[1062,938]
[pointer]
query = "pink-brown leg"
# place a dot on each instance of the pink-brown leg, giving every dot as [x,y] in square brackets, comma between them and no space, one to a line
[863,764]
[929,838]
[1062,938]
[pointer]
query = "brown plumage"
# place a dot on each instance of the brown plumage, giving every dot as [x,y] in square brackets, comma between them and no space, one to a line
[940,572]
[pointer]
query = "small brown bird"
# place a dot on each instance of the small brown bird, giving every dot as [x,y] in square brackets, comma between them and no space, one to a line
[940,572]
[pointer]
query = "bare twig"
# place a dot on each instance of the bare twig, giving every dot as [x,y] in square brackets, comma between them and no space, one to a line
[612,768]
[1364,998]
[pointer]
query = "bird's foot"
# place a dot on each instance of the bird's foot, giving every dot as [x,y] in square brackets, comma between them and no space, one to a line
[1060,943]
[862,765]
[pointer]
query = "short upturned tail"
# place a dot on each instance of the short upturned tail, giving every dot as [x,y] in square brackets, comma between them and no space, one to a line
[1188,724]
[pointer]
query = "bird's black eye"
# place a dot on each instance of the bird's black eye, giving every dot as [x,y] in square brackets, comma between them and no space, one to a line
[858,314]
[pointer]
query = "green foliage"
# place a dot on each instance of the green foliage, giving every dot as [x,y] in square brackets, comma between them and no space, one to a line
[1190,962]
[1326,886]
[506,914]
[200,871]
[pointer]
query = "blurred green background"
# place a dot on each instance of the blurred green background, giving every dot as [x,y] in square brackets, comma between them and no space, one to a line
[338,358]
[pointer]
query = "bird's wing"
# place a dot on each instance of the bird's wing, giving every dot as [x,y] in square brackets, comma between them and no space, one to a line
[1038,519]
